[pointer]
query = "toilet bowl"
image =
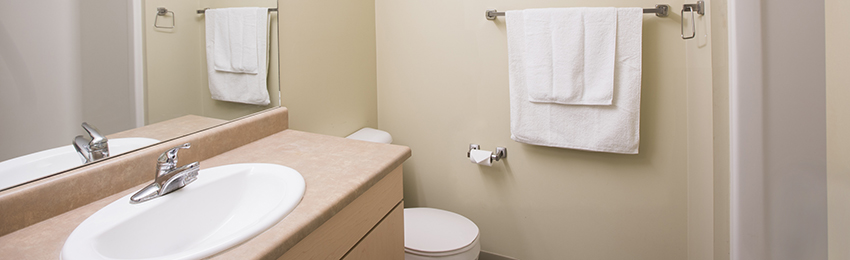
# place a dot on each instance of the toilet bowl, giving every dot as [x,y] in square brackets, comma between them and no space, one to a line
[429,233]
[438,234]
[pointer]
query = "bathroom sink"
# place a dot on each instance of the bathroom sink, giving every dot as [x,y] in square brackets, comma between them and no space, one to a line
[36,165]
[224,207]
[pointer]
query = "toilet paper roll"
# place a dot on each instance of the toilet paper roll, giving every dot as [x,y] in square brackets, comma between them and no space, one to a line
[481,157]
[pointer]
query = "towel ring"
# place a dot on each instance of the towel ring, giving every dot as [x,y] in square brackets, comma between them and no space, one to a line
[699,8]
[162,11]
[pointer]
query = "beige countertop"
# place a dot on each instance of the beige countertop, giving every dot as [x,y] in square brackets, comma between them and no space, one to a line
[336,171]
[169,129]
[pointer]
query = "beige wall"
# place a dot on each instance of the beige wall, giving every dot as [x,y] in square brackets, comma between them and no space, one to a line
[700,133]
[175,63]
[327,66]
[720,115]
[838,127]
[442,84]
[326,69]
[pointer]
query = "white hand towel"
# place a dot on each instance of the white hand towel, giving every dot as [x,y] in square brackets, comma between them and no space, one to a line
[239,87]
[569,55]
[614,128]
[236,39]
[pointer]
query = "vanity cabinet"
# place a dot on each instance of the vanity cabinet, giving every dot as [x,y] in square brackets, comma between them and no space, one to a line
[370,227]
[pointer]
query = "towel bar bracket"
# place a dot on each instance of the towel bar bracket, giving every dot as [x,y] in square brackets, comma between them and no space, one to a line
[699,7]
[491,14]
[660,10]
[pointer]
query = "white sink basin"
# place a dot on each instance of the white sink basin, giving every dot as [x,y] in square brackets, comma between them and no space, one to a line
[36,165]
[226,206]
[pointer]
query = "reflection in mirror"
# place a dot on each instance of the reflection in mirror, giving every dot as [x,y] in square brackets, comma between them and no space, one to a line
[106,63]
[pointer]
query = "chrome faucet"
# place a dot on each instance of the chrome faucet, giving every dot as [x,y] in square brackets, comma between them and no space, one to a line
[169,177]
[91,150]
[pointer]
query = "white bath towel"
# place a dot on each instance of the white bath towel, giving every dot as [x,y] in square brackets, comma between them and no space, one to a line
[569,55]
[238,87]
[236,39]
[614,128]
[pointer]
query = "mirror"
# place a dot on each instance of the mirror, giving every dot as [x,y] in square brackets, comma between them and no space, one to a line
[105,62]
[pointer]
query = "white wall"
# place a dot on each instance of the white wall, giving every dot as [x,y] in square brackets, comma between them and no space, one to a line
[779,130]
[62,63]
[795,129]
[107,95]
[40,75]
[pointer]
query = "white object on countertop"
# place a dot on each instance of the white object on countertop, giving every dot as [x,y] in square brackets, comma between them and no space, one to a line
[238,87]
[568,54]
[614,128]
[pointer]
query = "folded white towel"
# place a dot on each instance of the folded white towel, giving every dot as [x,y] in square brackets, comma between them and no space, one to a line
[236,39]
[614,128]
[569,55]
[239,87]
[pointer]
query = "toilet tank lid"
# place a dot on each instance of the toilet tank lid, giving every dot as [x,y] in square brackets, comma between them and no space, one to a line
[371,135]
[435,230]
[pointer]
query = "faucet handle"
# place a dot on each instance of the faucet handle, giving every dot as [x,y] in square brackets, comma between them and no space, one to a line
[170,157]
[98,141]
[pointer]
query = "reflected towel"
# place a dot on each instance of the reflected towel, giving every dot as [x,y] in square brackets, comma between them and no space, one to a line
[236,39]
[238,87]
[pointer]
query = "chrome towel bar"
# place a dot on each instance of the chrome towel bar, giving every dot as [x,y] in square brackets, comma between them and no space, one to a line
[205,9]
[660,10]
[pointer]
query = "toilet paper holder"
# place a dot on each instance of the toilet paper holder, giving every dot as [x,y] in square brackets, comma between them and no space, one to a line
[500,153]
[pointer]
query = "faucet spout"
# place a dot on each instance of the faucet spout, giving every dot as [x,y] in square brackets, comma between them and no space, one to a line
[180,177]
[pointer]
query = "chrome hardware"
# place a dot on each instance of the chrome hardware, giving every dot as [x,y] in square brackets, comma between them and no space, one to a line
[491,14]
[203,11]
[660,10]
[162,11]
[168,176]
[699,8]
[500,153]
[91,150]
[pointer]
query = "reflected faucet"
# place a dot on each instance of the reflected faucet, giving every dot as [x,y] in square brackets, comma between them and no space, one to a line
[168,176]
[91,150]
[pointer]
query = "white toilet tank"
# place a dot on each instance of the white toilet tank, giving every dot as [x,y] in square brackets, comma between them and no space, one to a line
[371,135]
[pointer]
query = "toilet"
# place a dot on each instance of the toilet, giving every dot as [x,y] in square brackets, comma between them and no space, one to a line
[429,233]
